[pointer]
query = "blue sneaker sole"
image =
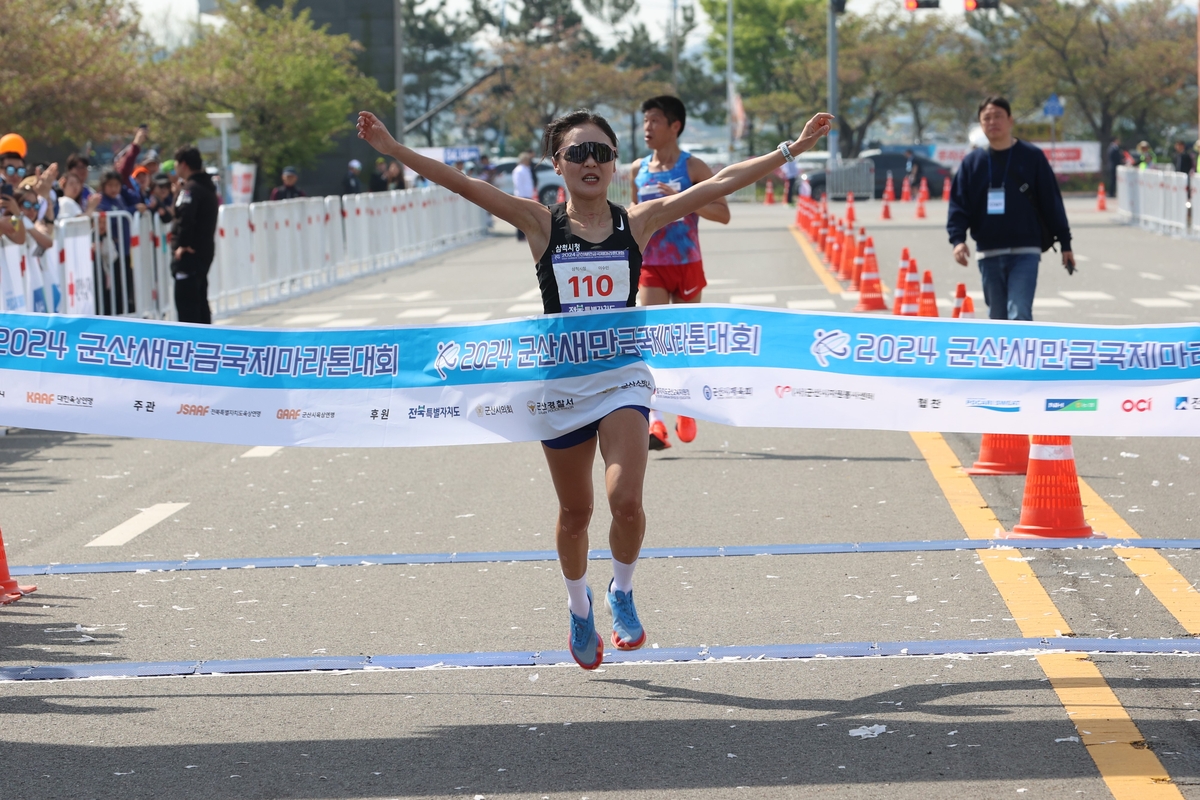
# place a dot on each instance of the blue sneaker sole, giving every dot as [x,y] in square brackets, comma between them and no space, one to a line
[618,642]
[599,653]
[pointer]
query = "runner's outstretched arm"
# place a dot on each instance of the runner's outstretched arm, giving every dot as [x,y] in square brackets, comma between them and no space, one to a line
[646,218]
[528,215]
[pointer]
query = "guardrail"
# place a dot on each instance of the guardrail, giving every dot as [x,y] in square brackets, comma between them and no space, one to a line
[1153,198]
[855,175]
[119,264]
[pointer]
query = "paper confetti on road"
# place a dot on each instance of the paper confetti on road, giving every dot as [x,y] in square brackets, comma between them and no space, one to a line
[869,733]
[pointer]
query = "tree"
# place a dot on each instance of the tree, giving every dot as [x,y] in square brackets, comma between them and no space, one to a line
[293,87]
[71,70]
[437,55]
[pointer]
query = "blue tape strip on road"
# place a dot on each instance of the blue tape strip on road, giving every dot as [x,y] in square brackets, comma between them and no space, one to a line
[675,655]
[500,556]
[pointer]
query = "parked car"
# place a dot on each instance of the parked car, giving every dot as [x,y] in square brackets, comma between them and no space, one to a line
[546,179]
[895,163]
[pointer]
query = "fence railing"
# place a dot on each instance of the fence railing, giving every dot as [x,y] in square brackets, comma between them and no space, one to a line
[119,264]
[856,175]
[1153,198]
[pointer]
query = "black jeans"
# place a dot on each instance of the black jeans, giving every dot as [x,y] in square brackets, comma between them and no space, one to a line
[191,298]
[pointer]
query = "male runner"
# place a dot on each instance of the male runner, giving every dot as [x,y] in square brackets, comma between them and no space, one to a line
[672,269]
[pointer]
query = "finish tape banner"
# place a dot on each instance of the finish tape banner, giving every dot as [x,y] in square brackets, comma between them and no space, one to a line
[539,377]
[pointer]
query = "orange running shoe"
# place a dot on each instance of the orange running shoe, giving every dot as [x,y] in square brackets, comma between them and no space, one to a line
[658,436]
[685,428]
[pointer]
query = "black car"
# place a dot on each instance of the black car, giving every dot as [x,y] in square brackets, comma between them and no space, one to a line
[895,163]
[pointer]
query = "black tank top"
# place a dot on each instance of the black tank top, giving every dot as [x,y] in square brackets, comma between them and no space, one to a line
[577,275]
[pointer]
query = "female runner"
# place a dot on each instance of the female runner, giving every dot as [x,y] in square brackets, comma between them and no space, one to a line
[583,149]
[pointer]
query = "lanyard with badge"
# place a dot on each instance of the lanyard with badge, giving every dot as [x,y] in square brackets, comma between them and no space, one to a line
[995,196]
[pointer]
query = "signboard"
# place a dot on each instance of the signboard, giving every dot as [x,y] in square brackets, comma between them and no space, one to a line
[1053,107]
[241,182]
[1067,158]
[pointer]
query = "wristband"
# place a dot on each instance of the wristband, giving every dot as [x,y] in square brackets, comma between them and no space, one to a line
[787,153]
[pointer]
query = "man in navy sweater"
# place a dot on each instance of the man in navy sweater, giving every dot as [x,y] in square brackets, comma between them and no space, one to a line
[1004,195]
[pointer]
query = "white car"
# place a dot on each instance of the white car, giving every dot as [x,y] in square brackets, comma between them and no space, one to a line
[546,179]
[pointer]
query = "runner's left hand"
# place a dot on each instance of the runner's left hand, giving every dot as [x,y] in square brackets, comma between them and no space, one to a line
[374,132]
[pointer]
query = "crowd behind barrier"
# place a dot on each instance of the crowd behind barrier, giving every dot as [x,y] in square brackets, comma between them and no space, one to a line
[119,263]
[1156,199]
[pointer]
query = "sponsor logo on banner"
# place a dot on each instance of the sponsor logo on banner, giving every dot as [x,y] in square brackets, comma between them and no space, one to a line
[1181,403]
[728,392]
[1143,404]
[287,413]
[493,411]
[447,358]
[434,412]
[815,393]
[829,344]
[666,393]
[190,410]
[39,398]
[1073,404]
[550,406]
[298,413]
[50,399]
[929,402]
[1006,406]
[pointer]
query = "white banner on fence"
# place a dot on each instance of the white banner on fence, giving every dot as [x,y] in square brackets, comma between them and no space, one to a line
[539,377]
[241,182]
[1065,157]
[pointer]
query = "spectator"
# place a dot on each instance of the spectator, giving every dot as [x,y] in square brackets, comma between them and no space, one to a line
[78,165]
[161,201]
[1005,195]
[1145,155]
[395,176]
[791,174]
[42,231]
[72,203]
[351,183]
[11,225]
[116,262]
[522,181]
[1182,160]
[151,162]
[126,162]
[460,166]
[912,169]
[1116,158]
[13,163]
[141,180]
[379,181]
[287,191]
[193,237]
[485,170]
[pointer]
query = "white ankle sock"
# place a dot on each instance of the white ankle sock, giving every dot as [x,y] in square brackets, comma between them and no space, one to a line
[655,416]
[577,599]
[623,576]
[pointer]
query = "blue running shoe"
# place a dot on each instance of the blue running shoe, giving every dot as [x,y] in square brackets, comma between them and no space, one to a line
[628,633]
[587,648]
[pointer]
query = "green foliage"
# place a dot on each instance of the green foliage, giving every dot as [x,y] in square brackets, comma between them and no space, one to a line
[437,54]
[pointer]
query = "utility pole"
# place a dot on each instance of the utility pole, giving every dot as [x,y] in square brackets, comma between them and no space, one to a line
[398,45]
[675,45]
[832,85]
[729,88]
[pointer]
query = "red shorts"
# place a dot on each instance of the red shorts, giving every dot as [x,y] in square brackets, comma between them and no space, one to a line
[680,280]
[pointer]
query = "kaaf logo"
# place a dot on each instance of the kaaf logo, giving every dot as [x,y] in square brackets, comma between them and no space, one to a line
[1072,404]
[447,358]
[41,398]
[1145,404]
[287,413]
[831,344]
[192,410]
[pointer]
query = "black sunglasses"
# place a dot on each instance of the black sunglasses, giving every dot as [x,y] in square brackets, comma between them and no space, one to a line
[579,153]
[28,204]
[11,170]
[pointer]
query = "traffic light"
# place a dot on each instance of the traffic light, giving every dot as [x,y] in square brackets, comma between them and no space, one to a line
[914,5]
[976,5]
[838,6]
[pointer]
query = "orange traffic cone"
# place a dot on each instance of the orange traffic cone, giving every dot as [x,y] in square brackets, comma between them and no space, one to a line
[850,209]
[921,208]
[906,190]
[889,189]
[887,212]
[946,189]
[834,247]
[1001,454]
[1101,199]
[870,295]
[860,261]
[822,233]
[928,303]
[960,294]
[849,252]
[912,292]
[901,280]
[968,309]
[923,192]
[10,592]
[770,201]
[1052,506]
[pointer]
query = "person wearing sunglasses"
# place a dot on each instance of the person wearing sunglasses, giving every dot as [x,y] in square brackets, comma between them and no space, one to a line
[42,232]
[672,267]
[13,166]
[588,255]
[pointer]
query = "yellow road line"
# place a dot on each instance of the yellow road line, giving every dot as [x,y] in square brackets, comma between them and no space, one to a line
[1175,592]
[1129,769]
[831,283]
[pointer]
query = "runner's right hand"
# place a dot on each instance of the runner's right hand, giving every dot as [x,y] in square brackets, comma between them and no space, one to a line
[374,132]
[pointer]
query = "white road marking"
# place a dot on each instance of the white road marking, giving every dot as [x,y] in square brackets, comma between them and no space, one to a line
[1151,276]
[1161,302]
[752,299]
[1108,265]
[413,297]
[532,294]
[1052,302]
[368,297]
[813,305]
[1080,257]
[348,322]
[424,313]
[944,303]
[467,316]
[1185,295]
[722,281]
[975,295]
[525,308]
[262,451]
[309,319]
[1085,295]
[130,528]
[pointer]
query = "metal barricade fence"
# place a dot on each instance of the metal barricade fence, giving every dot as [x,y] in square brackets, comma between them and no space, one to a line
[1153,198]
[856,175]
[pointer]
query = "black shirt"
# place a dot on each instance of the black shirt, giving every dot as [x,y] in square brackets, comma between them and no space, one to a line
[576,275]
[286,192]
[195,224]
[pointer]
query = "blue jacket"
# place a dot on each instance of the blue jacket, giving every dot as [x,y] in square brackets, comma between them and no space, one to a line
[1018,226]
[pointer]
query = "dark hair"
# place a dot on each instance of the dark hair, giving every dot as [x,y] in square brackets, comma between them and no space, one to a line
[75,159]
[111,175]
[6,156]
[191,156]
[994,100]
[558,128]
[671,107]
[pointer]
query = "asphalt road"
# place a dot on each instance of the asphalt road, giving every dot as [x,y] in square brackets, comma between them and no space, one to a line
[993,725]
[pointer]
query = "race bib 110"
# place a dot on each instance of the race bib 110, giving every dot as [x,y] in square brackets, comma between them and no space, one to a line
[592,280]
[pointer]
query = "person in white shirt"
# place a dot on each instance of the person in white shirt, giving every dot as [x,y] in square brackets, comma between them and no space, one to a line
[522,181]
[791,172]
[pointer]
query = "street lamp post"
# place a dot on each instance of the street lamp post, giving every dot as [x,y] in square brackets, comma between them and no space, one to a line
[398,54]
[729,90]
[223,121]
[832,84]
